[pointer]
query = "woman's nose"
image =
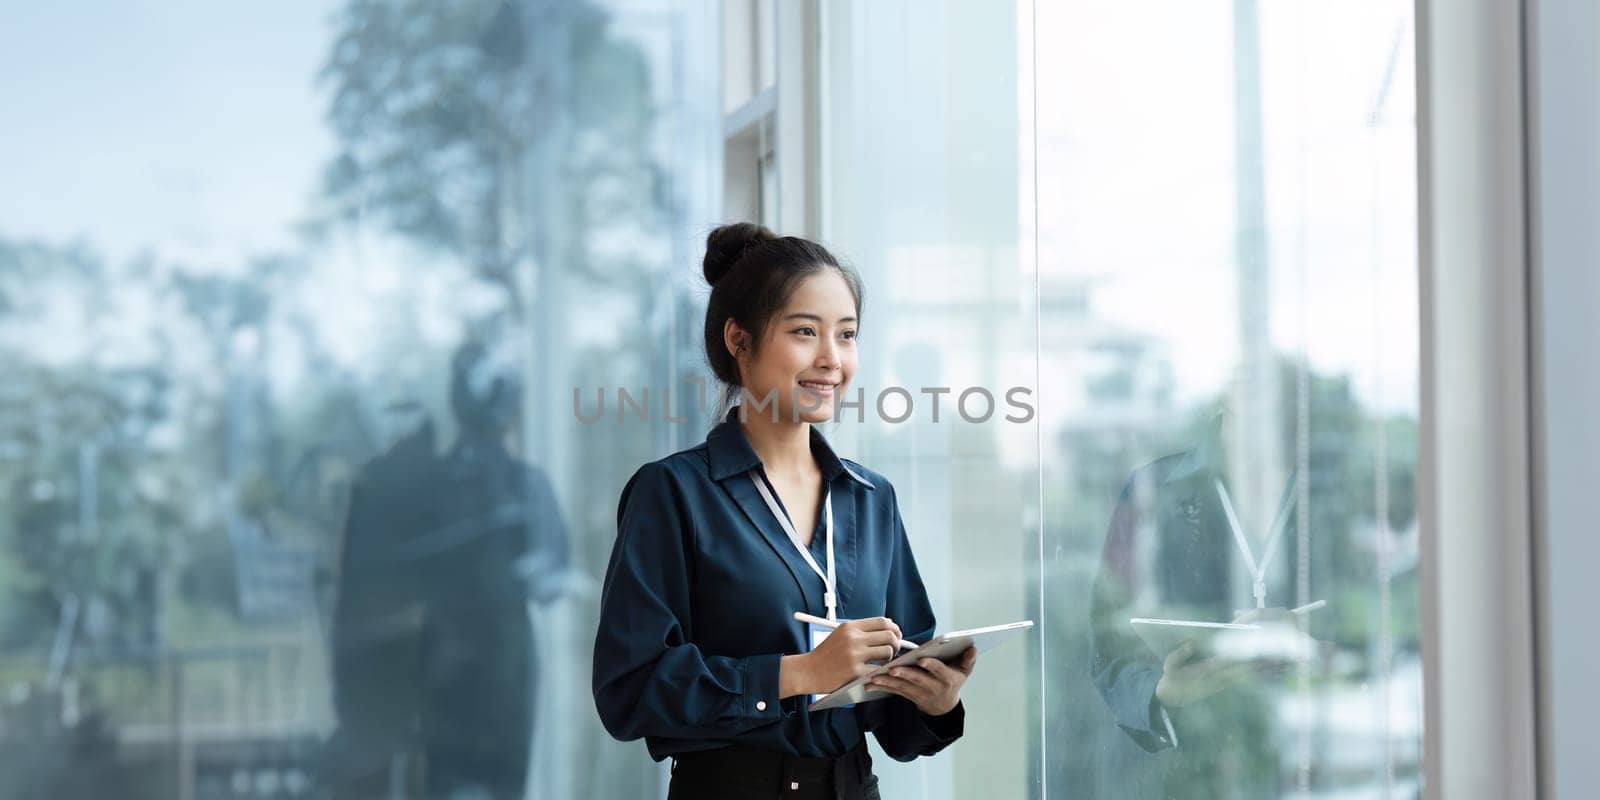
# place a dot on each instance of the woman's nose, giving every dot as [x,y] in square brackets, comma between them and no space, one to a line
[827,355]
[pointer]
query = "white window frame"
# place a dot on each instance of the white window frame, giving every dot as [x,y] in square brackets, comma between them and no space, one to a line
[1474,486]
[770,130]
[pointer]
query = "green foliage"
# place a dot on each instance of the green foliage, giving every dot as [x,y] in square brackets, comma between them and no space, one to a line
[464,126]
[88,481]
[432,105]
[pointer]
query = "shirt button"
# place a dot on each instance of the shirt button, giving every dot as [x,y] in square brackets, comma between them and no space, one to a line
[761,705]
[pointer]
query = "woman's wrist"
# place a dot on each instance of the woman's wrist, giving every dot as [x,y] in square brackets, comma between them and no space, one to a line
[794,676]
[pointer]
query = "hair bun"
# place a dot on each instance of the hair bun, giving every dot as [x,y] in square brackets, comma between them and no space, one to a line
[727,244]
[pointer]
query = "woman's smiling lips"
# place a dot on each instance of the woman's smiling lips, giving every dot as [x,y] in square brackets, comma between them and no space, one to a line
[824,388]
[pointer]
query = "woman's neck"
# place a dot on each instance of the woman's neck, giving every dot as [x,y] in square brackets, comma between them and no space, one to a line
[783,446]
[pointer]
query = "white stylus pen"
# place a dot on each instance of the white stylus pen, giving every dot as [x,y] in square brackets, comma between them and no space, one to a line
[804,617]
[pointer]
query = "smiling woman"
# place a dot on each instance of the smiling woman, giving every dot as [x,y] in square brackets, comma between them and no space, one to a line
[789,295]
[697,650]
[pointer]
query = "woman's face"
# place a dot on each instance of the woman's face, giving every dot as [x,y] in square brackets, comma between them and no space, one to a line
[808,352]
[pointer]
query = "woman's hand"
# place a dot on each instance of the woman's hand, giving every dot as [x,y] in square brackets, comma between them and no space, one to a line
[841,658]
[1187,677]
[934,686]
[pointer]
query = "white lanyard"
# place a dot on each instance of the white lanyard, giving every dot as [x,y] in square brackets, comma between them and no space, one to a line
[1258,572]
[828,580]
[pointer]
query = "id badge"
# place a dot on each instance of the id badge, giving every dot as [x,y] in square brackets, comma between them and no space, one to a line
[815,634]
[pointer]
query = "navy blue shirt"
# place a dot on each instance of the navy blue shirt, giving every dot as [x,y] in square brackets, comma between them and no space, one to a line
[698,604]
[819,537]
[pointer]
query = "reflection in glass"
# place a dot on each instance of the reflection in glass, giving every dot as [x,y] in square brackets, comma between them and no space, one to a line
[432,653]
[1225,218]
[249,544]
[254,544]
[1172,552]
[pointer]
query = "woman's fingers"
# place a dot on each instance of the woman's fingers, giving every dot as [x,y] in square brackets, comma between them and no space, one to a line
[943,672]
[923,677]
[1180,656]
[872,646]
[918,681]
[884,683]
[969,660]
[902,686]
[870,624]
[876,638]
[932,685]
[933,674]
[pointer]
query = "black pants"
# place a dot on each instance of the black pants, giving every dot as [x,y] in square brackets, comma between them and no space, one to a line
[748,773]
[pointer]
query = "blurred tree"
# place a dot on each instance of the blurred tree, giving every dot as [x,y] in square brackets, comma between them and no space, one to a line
[90,512]
[438,108]
[1342,448]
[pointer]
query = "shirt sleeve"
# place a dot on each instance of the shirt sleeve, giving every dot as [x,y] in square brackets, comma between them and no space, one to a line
[649,680]
[902,730]
[1125,670]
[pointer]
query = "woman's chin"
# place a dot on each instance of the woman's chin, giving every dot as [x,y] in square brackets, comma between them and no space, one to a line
[817,417]
[810,410]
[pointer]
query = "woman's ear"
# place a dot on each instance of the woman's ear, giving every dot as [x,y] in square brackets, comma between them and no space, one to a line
[734,338]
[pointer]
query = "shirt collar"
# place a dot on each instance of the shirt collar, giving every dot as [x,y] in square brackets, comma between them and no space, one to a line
[1205,457]
[731,453]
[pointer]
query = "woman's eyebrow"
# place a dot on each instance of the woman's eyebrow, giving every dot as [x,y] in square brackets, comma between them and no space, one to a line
[808,315]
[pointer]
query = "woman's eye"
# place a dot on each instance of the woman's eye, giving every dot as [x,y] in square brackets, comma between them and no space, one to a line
[806,331]
[849,334]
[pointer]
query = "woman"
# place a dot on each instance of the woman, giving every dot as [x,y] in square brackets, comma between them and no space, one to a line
[718,546]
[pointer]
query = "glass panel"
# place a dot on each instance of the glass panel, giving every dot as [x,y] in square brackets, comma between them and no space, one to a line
[292,302]
[1228,373]
[921,133]
[299,499]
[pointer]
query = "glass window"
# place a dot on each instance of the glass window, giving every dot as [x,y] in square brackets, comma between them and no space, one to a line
[1228,359]
[920,153]
[292,305]
[305,313]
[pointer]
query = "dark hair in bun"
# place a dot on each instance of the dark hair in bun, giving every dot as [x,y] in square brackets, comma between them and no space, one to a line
[727,244]
[752,271]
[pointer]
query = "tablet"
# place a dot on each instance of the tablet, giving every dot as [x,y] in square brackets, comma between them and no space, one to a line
[947,647]
[1271,641]
[1166,635]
